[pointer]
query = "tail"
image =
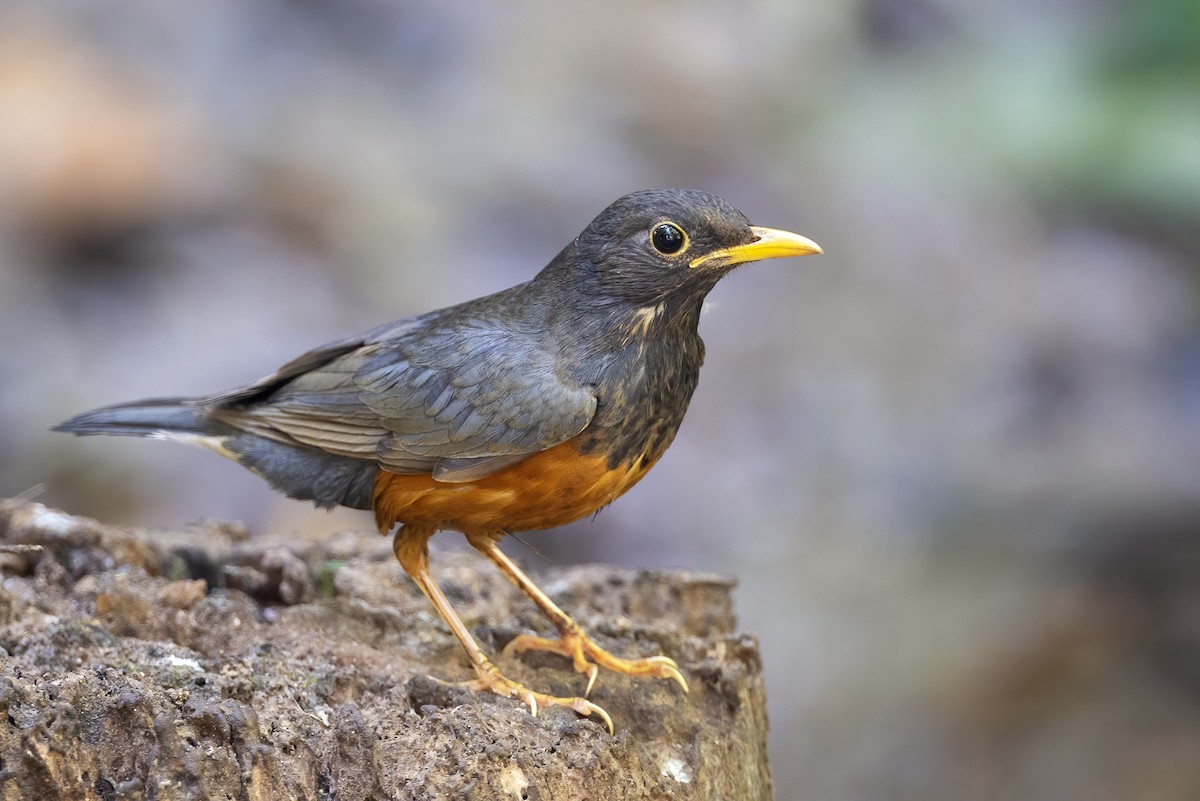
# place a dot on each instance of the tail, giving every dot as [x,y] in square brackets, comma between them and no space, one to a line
[302,472]
[160,418]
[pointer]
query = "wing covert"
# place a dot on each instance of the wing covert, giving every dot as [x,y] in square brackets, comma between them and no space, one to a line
[457,404]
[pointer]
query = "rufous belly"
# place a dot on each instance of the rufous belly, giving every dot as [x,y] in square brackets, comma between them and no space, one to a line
[548,489]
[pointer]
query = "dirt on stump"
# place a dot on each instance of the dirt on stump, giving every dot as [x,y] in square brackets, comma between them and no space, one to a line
[205,664]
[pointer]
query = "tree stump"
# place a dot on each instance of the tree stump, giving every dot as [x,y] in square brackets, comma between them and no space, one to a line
[204,664]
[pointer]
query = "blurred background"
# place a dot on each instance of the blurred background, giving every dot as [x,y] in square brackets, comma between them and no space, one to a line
[954,463]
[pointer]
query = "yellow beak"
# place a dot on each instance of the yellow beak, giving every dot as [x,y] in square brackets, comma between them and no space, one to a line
[771,244]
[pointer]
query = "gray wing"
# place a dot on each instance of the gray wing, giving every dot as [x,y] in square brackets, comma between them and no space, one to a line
[459,403]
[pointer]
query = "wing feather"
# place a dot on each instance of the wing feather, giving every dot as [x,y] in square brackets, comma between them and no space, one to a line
[458,402]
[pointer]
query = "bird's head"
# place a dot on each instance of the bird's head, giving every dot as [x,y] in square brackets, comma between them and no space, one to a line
[670,245]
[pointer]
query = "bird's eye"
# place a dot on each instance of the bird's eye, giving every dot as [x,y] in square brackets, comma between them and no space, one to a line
[668,238]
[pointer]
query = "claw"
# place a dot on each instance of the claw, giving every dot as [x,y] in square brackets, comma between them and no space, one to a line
[587,709]
[592,672]
[667,668]
[672,672]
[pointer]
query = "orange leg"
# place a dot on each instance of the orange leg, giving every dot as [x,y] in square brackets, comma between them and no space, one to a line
[411,548]
[572,643]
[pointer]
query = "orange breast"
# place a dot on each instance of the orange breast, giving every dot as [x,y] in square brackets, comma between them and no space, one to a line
[548,489]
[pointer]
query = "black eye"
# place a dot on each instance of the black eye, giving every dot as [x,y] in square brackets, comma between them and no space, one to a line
[668,238]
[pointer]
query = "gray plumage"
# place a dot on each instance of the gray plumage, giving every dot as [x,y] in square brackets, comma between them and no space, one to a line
[602,342]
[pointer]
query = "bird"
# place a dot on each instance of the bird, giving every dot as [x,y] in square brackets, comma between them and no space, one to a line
[522,410]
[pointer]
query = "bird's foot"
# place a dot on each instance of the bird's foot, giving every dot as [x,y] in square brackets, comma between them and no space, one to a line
[490,679]
[588,657]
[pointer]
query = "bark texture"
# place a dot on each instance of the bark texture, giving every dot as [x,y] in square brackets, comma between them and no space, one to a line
[205,664]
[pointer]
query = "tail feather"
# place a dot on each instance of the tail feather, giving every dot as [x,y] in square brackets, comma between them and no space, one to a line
[139,419]
[303,472]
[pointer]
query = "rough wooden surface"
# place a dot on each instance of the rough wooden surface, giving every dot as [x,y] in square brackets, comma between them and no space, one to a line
[205,664]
